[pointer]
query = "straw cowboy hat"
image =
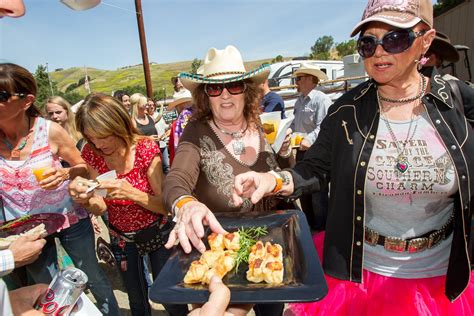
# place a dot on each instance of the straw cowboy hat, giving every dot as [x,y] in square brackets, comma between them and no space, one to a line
[443,48]
[312,70]
[182,96]
[403,14]
[223,65]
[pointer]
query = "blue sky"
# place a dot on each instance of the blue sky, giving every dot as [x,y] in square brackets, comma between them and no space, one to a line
[106,37]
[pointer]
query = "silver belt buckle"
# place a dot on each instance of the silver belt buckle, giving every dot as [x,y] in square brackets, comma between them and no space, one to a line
[417,244]
[395,244]
[371,236]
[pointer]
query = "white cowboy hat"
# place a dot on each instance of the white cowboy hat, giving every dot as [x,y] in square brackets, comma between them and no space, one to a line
[223,65]
[312,70]
[182,96]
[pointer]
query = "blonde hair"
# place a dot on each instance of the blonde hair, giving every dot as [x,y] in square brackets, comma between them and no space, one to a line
[101,116]
[70,125]
[136,100]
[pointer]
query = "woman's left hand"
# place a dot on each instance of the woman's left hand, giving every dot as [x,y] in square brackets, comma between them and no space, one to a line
[53,178]
[285,147]
[120,189]
[189,227]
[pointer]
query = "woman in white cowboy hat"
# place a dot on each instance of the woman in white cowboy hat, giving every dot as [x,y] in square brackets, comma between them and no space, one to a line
[399,158]
[223,138]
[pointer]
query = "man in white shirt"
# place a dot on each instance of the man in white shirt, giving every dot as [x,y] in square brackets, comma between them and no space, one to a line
[310,109]
[22,251]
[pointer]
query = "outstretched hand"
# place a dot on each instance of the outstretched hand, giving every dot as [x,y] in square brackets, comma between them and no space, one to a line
[218,300]
[252,185]
[190,226]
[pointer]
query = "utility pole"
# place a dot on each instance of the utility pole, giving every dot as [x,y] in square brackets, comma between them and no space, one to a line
[141,33]
[49,80]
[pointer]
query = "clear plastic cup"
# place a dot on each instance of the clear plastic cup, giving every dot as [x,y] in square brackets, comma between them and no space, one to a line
[270,123]
[40,168]
[296,139]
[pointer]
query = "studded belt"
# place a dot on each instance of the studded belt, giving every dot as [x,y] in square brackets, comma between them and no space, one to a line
[411,245]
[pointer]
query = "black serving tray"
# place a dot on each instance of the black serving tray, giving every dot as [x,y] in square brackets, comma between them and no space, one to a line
[303,279]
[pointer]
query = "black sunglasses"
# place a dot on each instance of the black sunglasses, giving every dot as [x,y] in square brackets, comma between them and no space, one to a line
[393,42]
[216,89]
[5,95]
[298,78]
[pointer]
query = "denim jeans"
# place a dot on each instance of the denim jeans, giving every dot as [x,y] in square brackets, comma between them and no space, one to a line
[165,160]
[78,241]
[135,281]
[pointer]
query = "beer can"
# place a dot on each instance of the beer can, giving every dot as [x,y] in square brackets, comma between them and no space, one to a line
[63,292]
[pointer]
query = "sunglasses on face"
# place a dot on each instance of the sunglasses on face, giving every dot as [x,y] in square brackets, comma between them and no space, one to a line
[393,42]
[297,79]
[216,89]
[5,95]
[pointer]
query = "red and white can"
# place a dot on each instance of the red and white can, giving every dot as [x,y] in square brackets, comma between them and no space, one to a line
[63,292]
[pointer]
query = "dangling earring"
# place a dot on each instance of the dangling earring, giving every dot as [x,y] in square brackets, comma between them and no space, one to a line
[421,62]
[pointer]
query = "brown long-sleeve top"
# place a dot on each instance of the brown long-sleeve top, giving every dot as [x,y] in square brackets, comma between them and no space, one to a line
[204,168]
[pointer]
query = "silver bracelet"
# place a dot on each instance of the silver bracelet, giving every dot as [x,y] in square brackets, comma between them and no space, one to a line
[288,154]
[174,211]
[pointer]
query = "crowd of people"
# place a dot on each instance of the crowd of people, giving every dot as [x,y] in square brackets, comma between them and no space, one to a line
[383,175]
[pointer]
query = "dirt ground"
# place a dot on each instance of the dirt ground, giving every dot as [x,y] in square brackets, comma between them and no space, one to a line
[117,285]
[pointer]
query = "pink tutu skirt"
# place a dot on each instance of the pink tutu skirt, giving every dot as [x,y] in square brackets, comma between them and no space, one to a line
[381,295]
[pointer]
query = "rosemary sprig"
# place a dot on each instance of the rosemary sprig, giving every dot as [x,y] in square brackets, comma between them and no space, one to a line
[248,238]
[15,222]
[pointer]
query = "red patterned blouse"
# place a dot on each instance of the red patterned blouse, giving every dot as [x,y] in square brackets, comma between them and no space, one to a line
[124,215]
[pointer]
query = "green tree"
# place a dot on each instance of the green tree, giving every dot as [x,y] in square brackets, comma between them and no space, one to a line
[45,89]
[346,48]
[82,80]
[135,89]
[277,59]
[159,94]
[72,97]
[195,65]
[322,47]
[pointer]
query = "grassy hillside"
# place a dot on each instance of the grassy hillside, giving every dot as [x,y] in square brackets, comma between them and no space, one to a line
[110,80]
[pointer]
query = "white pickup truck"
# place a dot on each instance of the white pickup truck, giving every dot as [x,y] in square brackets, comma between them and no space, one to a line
[338,72]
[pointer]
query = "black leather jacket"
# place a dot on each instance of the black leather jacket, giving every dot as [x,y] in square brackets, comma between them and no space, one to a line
[341,154]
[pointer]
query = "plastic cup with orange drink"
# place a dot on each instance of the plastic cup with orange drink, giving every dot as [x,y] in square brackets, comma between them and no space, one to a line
[40,168]
[270,123]
[296,139]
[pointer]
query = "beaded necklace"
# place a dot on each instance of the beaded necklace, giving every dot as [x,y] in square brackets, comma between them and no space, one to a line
[238,145]
[406,100]
[15,152]
[402,164]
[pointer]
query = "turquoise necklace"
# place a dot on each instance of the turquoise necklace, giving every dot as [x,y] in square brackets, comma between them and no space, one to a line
[10,146]
[16,151]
